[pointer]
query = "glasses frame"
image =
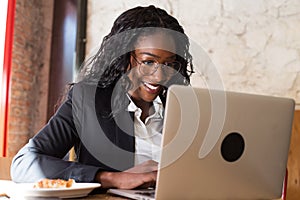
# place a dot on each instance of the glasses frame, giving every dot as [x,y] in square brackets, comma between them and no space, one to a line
[156,65]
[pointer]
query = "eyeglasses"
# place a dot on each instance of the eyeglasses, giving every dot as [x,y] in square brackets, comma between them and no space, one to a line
[149,67]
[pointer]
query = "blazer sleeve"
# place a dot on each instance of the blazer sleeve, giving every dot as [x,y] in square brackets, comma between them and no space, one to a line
[42,156]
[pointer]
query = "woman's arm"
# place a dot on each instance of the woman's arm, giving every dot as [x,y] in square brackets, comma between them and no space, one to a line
[143,175]
[42,156]
[126,180]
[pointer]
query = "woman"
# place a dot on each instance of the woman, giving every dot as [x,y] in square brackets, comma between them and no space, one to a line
[113,116]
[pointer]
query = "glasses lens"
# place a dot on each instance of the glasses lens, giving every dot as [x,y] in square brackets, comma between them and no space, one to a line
[151,67]
[172,68]
[148,69]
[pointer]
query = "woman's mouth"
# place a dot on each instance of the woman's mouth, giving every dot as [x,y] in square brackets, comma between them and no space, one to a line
[152,88]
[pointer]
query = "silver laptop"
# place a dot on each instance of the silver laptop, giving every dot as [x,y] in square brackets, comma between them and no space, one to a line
[221,145]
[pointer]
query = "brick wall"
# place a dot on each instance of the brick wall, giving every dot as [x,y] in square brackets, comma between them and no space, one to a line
[30,71]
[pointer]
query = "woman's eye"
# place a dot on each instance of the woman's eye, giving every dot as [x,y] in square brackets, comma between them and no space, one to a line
[169,64]
[148,62]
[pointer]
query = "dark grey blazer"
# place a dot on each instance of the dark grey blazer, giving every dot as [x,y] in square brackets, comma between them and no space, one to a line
[101,142]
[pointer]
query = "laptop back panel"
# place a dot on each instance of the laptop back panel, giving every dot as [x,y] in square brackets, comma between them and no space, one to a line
[223,145]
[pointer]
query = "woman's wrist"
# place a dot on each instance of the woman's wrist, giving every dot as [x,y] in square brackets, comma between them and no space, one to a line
[105,178]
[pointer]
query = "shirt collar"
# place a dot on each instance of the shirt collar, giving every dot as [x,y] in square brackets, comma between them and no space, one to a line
[157,104]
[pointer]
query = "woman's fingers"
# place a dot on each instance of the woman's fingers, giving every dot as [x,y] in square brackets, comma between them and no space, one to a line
[147,166]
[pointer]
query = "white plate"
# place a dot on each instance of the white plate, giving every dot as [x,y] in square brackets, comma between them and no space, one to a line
[77,190]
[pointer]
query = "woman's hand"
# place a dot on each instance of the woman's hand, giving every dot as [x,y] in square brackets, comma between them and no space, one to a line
[147,166]
[143,175]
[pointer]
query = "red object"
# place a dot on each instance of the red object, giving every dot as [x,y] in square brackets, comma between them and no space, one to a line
[7,60]
[284,190]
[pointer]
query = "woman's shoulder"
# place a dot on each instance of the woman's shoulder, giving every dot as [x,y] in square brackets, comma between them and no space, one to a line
[90,93]
[91,87]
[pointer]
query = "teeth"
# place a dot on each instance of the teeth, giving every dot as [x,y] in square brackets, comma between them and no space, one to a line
[151,86]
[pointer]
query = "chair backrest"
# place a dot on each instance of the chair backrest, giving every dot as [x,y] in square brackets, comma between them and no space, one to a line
[5,163]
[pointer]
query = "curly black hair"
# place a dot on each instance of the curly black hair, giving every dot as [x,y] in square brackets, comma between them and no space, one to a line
[110,63]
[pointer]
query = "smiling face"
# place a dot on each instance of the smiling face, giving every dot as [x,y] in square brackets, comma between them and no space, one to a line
[155,48]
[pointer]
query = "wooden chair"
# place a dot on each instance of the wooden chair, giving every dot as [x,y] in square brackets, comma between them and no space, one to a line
[5,163]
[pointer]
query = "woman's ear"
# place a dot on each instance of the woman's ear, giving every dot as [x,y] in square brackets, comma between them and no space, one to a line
[131,63]
[128,67]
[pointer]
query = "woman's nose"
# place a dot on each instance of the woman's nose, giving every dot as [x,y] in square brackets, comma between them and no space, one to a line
[160,75]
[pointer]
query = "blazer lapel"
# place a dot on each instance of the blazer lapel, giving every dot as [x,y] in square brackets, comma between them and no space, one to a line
[118,129]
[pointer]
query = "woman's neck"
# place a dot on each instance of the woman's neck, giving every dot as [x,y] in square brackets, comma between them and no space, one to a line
[146,107]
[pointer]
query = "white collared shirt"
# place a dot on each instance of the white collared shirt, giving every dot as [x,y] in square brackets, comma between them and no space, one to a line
[148,134]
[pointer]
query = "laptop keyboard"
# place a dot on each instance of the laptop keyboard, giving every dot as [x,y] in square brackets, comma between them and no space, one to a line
[147,193]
